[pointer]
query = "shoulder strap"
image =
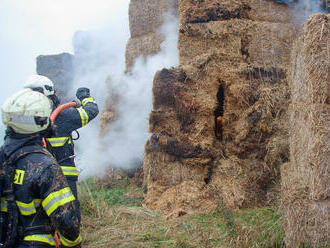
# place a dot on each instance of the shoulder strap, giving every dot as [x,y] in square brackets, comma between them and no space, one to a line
[26,150]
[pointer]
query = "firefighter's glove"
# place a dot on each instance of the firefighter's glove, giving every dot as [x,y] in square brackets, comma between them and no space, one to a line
[77,102]
[82,93]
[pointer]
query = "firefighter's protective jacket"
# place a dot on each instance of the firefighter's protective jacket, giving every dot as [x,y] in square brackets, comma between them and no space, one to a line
[42,194]
[61,145]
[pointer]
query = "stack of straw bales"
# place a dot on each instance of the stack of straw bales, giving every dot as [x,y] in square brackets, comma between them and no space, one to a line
[145,19]
[306,179]
[243,47]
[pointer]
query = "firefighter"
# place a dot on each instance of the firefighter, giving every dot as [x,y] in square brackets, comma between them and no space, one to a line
[42,194]
[61,144]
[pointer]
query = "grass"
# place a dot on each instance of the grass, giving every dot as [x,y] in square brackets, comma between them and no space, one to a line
[114,217]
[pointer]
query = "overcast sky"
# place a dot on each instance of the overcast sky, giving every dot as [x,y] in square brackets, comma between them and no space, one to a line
[29,28]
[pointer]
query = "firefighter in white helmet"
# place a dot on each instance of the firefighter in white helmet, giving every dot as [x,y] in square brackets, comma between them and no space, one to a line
[69,120]
[34,189]
[43,85]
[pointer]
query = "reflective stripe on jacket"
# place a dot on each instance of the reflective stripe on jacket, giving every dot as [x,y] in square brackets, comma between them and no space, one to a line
[57,199]
[68,120]
[43,238]
[67,242]
[87,100]
[59,141]
[28,208]
[69,170]
[42,195]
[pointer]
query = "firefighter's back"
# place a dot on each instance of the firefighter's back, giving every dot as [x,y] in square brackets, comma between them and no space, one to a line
[34,182]
[32,172]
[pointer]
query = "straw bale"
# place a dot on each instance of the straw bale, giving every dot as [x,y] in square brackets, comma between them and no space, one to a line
[306,180]
[210,10]
[185,198]
[306,221]
[268,43]
[189,110]
[241,169]
[206,11]
[173,90]
[220,37]
[167,170]
[241,183]
[197,141]
[180,146]
[109,113]
[297,207]
[269,11]
[256,105]
[144,46]
[145,20]
[263,44]
[145,16]
[187,130]
[245,136]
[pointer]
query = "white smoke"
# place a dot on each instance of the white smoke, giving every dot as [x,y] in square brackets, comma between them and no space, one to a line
[42,27]
[123,145]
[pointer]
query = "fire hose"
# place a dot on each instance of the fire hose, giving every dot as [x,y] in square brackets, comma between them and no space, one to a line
[56,112]
[60,108]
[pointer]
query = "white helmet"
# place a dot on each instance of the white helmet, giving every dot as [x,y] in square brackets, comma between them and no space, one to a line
[27,112]
[41,83]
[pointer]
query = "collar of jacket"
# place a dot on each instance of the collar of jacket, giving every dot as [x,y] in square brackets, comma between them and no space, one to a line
[13,143]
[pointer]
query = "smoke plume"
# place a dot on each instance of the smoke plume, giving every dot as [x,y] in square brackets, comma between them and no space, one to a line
[42,27]
[123,144]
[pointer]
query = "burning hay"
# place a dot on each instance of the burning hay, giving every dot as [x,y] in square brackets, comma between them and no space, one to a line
[306,179]
[247,58]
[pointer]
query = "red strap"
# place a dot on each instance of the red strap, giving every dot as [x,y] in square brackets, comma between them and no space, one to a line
[57,240]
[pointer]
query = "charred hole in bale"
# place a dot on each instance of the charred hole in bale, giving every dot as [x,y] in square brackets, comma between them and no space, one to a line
[219,111]
[207,180]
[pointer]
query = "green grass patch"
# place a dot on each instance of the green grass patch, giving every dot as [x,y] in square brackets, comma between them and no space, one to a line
[95,198]
[114,217]
[265,226]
